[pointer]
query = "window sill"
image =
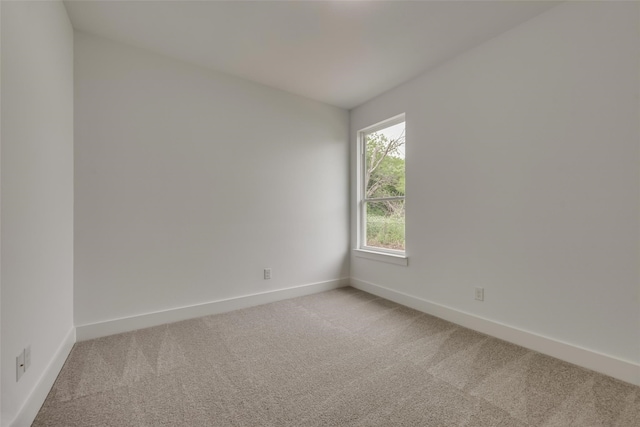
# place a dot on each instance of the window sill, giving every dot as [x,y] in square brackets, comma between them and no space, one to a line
[381,256]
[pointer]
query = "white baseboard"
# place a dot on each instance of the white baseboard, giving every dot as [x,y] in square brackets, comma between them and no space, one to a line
[609,365]
[126,324]
[34,402]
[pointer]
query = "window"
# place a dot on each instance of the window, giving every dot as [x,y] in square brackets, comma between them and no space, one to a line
[381,204]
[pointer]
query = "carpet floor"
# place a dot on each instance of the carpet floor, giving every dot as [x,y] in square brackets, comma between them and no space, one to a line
[338,358]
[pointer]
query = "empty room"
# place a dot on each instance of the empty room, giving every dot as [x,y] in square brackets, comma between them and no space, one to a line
[320,213]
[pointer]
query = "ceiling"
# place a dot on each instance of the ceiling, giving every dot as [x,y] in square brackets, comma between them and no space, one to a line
[339,52]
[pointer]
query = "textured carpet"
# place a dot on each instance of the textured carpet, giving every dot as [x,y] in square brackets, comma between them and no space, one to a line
[339,358]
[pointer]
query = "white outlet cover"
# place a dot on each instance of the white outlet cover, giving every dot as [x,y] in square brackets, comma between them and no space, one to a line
[19,366]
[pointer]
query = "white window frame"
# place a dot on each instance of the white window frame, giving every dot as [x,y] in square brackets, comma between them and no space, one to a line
[393,256]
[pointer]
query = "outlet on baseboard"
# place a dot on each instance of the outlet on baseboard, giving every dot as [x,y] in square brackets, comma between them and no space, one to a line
[23,361]
[480,294]
[20,366]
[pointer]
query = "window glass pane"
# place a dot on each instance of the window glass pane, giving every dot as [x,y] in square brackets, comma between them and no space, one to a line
[384,162]
[385,224]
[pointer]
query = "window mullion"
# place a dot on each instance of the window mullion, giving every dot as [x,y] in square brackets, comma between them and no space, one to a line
[384,199]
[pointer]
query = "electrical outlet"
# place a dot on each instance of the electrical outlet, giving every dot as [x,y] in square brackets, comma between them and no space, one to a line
[480,294]
[267,273]
[27,358]
[19,366]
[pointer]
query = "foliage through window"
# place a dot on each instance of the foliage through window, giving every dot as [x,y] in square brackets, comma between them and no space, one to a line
[382,192]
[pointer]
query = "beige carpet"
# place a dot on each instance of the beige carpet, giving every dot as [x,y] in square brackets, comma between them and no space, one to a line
[339,358]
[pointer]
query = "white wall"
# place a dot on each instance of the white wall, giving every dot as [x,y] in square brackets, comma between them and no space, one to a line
[37,197]
[190,182]
[1,421]
[523,178]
